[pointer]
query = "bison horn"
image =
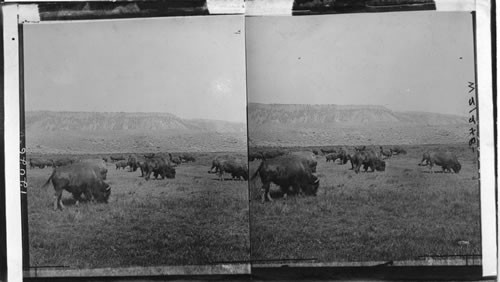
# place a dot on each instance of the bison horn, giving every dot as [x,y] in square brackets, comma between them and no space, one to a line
[316,181]
[108,188]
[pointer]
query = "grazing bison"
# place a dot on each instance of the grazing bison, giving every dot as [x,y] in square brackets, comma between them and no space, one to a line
[315,152]
[255,156]
[328,151]
[286,171]
[158,166]
[368,159]
[396,150]
[121,164]
[359,148]
[149,155]
[132,163]
[216,163]
[236,167]
[117,158]
[185,157]
[78,179]
[175,160]
[331,157]
[447,160]
[385,153]
[141,164]
[63,162]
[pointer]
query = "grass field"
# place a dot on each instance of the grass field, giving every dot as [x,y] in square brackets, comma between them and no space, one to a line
[192,219]
[400,214]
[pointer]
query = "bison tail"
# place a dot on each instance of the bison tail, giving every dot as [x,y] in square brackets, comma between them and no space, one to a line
[44,186]
[257,171]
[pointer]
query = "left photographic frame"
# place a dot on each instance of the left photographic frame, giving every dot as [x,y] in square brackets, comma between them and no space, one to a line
[133,149]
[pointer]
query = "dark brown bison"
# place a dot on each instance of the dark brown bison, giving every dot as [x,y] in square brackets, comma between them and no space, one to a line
[286,171]
[385,153]
[368,159]
[328,151]
[396,150]
[315,152]
[159,167]
[132,163]
[216,163]
[359,148]
[121,164]
[186,158]
[255,156]
[149,155]
[78,179]
[175,160]
[331,157]
[447,160]
[141,164]
[236,167]
[117,158]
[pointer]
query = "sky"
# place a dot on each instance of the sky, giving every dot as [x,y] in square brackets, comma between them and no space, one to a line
[410,61]
[193,67]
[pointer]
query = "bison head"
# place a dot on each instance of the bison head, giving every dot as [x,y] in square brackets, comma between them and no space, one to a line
[102,193]
[379,165]
[169,172]
[456,167]
[312,187]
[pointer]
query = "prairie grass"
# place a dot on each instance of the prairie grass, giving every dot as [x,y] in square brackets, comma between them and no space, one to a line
[400,214]
[192,219]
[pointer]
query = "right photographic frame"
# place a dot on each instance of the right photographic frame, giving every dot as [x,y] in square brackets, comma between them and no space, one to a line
[363,139]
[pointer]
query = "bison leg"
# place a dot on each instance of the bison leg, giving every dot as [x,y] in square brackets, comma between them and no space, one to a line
[58,200]
[265,192]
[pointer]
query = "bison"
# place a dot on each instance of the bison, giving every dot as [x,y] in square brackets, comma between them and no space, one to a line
[236,167]
[149,155]
[175,160]
[255,156]
[385,153]
[447,160]
[117,158]
[331,157]
[158,166]
[121,164]
[286,171]
[359,148]
[328,151]
[368,159]
[132,163]
[396,150]
[78,179]
[185,157]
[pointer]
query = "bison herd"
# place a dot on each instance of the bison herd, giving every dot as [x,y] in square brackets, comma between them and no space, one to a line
[293,172]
